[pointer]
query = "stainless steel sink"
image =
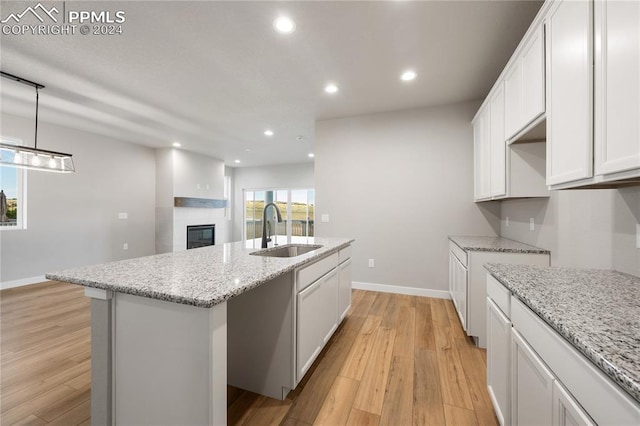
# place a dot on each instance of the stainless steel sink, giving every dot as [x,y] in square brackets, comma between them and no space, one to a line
[290,250]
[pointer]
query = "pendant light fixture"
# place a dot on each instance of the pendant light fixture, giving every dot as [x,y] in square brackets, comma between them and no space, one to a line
[33,158]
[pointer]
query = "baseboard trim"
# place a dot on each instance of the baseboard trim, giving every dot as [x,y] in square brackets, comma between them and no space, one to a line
[22,282]
[411,291]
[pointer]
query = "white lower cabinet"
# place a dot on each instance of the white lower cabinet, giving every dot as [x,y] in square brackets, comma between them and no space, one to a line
[535,377]
[458,287]
[499,364]
[317,319]
[566,411]
[531,385]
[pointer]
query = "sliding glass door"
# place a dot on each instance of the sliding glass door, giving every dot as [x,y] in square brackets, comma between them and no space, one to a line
[297,207]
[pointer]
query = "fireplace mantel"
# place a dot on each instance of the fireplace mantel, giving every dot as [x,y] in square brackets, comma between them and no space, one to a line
[208,203]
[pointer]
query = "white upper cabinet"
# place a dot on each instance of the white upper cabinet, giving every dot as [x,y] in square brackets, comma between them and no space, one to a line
[513,99]
[498,147]
[617,85]
[524,85]
[533,87]
[569,92]
[482,155]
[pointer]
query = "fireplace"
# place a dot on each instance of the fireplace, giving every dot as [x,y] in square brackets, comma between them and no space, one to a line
[201,236]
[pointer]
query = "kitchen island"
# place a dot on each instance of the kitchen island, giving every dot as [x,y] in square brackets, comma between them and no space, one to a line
[574,338]
[162,327]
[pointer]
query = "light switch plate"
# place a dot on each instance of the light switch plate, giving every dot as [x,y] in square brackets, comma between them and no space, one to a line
[125,246]
[324,218]
[123,215]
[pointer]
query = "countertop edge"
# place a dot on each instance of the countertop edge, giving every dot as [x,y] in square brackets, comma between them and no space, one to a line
[201,303]
[532,250]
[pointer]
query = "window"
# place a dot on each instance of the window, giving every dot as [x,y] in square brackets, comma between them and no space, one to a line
[13,183]
[295,205]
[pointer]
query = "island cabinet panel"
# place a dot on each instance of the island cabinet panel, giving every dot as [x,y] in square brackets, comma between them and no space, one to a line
[169,362]
[260,345]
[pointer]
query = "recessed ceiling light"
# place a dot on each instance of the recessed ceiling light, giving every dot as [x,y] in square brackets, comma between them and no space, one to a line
[311,155]
[237,161]
[268,132]
[331,88]
[408,75]
[247,150]
[284,25]
[299,138]
[177,144]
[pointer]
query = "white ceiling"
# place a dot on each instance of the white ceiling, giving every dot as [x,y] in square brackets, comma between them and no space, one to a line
[215,75]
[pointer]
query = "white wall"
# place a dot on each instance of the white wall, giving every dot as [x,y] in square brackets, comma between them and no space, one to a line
[400,183]
[582,228]
[286,176]
[73,218]
[186,174]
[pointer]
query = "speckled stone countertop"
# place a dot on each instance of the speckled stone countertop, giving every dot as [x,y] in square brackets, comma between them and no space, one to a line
[468,243]
[201,277]
[597,311]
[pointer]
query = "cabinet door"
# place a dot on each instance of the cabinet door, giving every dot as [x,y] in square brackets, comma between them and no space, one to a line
[499,362]
[531,385]
[513,99]
[566,411]
[344,294]
[569,92]
[310,328]
[533,78]
[498,165]
[482,154]
[460,290]
[617,84]
[329,316]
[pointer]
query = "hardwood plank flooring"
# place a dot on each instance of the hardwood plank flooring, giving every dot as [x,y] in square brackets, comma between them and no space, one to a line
[395,360]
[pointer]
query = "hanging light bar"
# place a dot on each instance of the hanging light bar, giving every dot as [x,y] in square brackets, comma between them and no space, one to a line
[33,158]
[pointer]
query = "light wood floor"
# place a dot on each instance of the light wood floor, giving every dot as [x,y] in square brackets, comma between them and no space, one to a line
[395,360]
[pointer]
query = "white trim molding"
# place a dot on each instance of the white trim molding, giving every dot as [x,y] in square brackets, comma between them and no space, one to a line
[411,291]
[22,282]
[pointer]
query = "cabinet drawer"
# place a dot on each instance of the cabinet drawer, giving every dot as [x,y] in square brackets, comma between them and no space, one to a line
[344,254]
[459,253]
[309,274]
[499,294]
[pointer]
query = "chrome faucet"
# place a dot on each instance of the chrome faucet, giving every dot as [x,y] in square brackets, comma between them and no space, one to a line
[265,238]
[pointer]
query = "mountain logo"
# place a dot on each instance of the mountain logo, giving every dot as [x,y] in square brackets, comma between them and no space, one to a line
[38,11]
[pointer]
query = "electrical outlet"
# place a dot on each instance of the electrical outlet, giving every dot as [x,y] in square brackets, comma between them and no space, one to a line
[532,224]
[372,263]
[123,215]
[506,222]
[125,246]
[324,218]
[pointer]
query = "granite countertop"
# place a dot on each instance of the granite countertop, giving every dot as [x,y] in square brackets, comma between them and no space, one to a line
[201,277]
[499,244]
[597,311]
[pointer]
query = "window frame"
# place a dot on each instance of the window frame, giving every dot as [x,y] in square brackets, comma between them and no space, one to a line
[289,212]
[21,191]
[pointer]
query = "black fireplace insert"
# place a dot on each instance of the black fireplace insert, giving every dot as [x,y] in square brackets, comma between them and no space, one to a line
[201,236]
